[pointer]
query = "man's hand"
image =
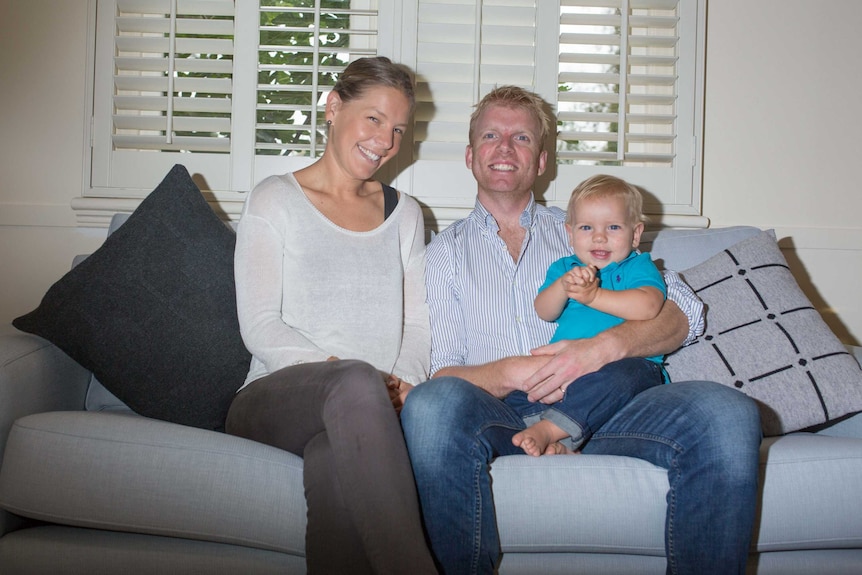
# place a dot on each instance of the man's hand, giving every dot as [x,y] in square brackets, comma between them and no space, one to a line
[564,362]
[499,378]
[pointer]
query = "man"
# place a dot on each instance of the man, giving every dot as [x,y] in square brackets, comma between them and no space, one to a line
[483,273]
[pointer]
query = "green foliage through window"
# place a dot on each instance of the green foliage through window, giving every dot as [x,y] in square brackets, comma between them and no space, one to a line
[300,55]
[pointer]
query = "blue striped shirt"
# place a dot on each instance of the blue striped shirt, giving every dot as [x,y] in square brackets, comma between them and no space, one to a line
[481,300]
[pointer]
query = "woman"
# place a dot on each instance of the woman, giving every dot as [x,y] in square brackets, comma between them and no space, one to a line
[331,303]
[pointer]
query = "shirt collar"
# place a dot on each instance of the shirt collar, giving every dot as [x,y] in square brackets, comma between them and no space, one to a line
[487,221]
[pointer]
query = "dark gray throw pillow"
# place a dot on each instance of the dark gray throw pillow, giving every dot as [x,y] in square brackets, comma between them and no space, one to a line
[152,313]
[764,338]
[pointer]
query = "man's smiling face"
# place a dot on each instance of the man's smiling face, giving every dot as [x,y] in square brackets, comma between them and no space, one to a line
[506,153]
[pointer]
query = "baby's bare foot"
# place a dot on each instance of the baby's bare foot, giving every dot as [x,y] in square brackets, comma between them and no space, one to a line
[527,443]
[535,439]
[557,448]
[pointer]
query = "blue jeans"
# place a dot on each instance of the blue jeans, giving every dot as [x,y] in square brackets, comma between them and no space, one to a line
[591,400]
[706,435]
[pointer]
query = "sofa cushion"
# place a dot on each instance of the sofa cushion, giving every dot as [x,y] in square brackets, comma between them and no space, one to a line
[809,493]
[80,551]
[764,338]
[680,249]
[808,499]
[152,313]
[123,472]
[594,504]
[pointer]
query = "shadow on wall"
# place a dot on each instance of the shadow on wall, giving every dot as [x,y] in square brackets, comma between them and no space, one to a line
[830,316]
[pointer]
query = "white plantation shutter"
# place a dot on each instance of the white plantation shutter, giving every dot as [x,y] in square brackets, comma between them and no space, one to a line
[463,49]
[235,91]
[630,79]
[601,97]
[164,90]
[153,109]
[291,86]
[232,90]
[643,125]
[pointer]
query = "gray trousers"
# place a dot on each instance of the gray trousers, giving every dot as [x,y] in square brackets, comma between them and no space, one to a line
[363,511]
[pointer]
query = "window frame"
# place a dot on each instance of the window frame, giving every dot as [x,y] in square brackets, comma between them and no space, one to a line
[673,198]
[445,187]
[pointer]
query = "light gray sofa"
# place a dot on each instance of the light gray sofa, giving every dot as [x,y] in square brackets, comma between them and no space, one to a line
[88,487]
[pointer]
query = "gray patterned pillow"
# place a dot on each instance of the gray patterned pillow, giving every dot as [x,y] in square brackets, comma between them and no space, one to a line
[764,338]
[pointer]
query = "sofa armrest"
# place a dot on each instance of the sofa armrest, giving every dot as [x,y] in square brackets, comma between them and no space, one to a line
[35,376]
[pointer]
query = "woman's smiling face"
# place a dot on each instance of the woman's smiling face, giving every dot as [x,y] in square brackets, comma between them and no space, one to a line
[366,132]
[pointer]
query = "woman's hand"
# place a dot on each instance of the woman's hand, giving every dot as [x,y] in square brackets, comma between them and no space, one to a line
[398,390]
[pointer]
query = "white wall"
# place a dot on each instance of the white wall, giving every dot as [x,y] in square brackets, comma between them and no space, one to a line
[777,154]
[781,144]
[41,147]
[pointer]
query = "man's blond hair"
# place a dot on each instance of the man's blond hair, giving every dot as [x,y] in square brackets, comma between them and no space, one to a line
[516,98]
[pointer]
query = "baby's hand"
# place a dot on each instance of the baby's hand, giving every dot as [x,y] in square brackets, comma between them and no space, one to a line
[586,274]
[581,284]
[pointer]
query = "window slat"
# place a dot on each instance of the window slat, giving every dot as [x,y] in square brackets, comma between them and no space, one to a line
[610,98]
[183,26]
[159,103]
[182,124]
[162,45]
[611,137]
[195,65]
[160,84]
[178,144]
[187,7]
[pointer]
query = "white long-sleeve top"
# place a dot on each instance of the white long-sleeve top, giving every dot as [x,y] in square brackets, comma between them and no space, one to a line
[308,289]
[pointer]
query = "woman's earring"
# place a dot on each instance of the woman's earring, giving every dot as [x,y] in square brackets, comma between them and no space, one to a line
[328,122]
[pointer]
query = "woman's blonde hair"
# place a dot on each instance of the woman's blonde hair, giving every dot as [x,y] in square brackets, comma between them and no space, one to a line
[517,98]
[604,186]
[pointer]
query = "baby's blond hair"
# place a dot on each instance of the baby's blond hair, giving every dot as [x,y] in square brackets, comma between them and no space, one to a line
[604,186]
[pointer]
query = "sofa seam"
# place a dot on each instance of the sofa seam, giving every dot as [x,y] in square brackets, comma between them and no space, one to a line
[58,519]
[184,448]
[43,345]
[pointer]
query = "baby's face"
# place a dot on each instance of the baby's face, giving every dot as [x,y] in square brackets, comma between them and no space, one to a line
[601,231]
